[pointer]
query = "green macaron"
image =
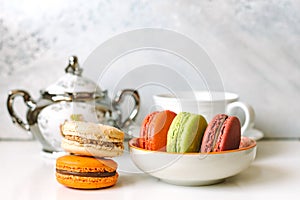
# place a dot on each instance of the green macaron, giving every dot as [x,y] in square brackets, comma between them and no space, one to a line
[185,133]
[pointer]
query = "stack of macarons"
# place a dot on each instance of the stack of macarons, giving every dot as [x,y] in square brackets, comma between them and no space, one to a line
[90,146]
[187,132]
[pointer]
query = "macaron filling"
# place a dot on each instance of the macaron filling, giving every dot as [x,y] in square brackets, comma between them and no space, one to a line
[220,126]
[86,174]
[218,139]
[82,140]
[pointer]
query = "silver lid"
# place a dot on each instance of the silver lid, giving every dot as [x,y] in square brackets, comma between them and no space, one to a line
[72,83]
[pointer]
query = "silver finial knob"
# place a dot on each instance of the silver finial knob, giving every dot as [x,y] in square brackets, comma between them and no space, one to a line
[73,66]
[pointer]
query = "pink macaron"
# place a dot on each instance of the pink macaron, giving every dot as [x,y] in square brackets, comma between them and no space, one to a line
[222,133]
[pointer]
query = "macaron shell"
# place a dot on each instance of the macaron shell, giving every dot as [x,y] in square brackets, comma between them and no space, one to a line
[79,182]
[173,132]
[85,164]
[230,135]
[198,135]
[144,129]
[192,134]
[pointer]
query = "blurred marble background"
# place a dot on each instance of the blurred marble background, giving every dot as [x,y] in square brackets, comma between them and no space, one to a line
[254,44]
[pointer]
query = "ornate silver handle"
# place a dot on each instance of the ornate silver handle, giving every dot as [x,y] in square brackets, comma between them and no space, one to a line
[10,106]
[119,99]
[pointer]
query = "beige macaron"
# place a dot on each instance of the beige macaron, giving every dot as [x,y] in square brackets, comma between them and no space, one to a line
[91,139]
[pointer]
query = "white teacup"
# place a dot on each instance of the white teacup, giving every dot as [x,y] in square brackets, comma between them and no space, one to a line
[208,104]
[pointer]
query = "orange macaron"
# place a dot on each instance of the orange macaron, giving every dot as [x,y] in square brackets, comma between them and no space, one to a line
[154,130]
[82,172]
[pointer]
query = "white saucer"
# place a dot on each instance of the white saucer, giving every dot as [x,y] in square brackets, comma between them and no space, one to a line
[254,134]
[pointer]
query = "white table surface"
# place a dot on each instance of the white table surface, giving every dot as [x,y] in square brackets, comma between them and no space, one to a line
[275,174]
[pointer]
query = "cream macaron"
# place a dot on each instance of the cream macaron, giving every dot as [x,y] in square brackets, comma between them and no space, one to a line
[91,139]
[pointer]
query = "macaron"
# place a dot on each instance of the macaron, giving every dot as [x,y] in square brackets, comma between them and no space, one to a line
[91,139]
[84,172]
[154,130]
[186,132]
[246,142]
[222,133]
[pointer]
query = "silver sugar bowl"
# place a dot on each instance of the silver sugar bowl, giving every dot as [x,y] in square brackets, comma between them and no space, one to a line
[72,97]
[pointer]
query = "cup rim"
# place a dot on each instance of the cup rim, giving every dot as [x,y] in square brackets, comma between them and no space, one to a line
[208,96]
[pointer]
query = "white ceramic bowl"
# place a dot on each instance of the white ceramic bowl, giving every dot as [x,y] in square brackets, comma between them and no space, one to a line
[192,169]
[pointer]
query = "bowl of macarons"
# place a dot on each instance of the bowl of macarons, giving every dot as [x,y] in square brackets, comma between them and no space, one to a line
[185,149]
